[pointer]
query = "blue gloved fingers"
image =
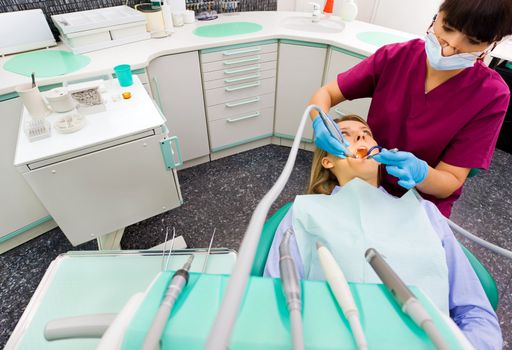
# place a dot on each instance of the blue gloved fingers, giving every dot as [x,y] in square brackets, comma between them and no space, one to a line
[407,184]
[324,140]
[398,172]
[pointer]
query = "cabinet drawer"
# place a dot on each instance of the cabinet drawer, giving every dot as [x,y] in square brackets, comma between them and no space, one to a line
[233,72]
[239,91]
[233,131]
[231,63]
[238,52]
[246,105]
[241,79]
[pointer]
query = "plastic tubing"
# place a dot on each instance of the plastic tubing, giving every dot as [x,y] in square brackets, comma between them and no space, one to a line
[220,333]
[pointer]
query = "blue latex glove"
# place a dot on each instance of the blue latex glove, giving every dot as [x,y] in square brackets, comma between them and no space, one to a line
[405,166]
[327,142]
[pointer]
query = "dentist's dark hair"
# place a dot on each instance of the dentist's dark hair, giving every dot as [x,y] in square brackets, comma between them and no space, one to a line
[485,20]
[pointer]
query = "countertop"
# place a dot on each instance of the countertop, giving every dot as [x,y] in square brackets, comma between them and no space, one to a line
[139,54]
[122,118]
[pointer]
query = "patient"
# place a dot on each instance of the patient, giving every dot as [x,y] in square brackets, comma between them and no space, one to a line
[450,274]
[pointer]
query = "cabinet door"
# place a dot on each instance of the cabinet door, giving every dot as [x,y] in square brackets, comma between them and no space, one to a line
[300,72]
[103,191]
[340,62]
[176,84]
[19,207]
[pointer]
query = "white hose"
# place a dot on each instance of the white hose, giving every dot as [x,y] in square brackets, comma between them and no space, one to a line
[498,250]
[220,332]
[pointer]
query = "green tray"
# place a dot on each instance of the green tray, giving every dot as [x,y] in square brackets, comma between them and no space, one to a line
[227,29]
[263,321]
[46,63]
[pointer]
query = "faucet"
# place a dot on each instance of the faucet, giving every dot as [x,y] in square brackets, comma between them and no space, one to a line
[316,15]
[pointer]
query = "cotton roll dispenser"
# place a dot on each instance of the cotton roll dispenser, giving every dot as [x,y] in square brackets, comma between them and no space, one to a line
[154,19]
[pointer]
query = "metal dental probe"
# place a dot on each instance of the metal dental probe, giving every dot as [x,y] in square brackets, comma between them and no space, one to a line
[405,298]
[170,250]
[394,150]
[165,246]
[291,288]
[178,281]
[208,253]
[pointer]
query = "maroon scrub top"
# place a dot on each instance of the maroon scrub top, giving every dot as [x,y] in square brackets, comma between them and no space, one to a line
[458,122]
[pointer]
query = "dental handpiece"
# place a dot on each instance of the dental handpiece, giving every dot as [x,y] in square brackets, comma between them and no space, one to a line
[335,132]
[409,304]
[339,287]
[178,282]
[292,291]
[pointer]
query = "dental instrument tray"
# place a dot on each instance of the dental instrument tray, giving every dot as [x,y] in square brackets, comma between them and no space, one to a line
[263,321]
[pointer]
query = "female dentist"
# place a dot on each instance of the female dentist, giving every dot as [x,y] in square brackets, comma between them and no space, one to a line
[433,98]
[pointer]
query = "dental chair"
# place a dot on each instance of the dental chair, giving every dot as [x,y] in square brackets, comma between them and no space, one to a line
[270,227]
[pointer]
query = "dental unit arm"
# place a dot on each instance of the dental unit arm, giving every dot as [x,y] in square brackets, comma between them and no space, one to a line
[222,328]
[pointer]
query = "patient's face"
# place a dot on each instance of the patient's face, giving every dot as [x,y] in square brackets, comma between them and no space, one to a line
[361,139]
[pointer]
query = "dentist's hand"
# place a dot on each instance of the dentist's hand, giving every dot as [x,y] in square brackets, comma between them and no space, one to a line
[405,166]
[325,141]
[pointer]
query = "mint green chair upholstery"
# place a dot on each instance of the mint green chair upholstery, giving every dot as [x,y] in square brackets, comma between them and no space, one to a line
[270,227]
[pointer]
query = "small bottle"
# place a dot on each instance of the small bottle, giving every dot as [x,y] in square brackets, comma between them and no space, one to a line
[348,10]
[329,4]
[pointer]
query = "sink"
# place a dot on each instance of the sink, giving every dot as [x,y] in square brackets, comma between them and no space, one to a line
[306,24]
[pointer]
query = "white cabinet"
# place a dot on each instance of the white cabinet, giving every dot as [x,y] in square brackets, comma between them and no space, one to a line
[340,61]
[116,171]
[20,210]
[300,72]
[239,86]
[176,86]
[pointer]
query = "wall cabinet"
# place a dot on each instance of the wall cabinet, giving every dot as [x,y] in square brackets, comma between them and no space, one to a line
[176,85]
[20,209]
[340,61]
[300,72]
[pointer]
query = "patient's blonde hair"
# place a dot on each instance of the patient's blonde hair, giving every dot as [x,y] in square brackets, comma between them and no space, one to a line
[322,180]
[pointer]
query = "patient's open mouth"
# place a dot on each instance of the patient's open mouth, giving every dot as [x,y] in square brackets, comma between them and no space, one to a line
[361,152]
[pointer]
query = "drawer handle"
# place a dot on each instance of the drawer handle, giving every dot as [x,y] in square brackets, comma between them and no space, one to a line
[241,70]
[234,120]
[240,87]
[248,77]
[241,103]
[244,60]
[240,52]
[340,112]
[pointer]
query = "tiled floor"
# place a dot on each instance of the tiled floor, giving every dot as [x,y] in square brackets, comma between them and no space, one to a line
[222,195]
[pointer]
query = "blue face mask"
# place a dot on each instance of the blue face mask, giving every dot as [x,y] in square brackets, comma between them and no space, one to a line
[440,62]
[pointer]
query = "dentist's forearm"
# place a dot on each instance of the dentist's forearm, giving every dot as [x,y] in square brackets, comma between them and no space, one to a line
[440,183]
[322,99]
[327,96]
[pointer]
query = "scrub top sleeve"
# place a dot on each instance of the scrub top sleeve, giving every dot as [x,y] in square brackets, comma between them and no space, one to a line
[272,264]
[360,81]
[474,145]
